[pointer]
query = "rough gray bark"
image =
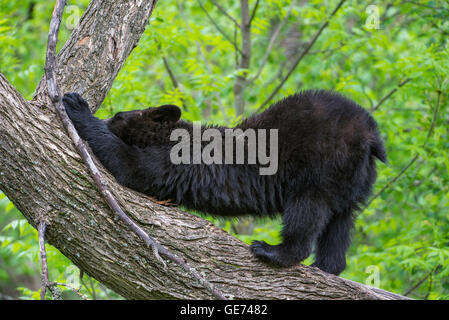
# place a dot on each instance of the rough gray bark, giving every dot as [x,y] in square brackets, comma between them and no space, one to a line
[41,172]
[97,49]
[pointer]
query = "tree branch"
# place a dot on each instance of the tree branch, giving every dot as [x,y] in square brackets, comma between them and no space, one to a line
[173,79]
[56,98]
[45,283]
[226,14]
[413,160]
[218,28]
[171,74]
[253,13]
[381,101]
[50,57]
[65,285]
[298,60]
[272,41]
[420,282]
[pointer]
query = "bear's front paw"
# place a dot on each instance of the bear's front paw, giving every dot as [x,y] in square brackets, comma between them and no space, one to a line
[75,105]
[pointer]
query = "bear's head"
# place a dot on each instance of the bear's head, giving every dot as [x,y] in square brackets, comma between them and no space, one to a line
[143,127]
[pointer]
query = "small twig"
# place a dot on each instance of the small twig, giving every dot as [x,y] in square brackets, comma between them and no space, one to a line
[92,286]
[434,118]
[53,92]
[303,54]
[50,58]
[272,41]
[377,106]
[236,53]
[76,291]
[435,25]
[420,282]
[330,50]
[417,285]
[86,286]
[90,290]
[219,29]
[366,94]
[95,173]
[44,282]
[392,181]
[253,13]
[105,290]
[226,14]
[171,74]
[413,160]
[173,79]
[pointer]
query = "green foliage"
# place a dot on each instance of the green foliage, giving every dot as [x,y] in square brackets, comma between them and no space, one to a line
[403,234]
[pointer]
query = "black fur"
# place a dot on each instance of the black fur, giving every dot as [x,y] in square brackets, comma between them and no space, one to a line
[327,150]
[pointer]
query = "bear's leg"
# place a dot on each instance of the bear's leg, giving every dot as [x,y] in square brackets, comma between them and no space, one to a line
[332,244]
[304,218]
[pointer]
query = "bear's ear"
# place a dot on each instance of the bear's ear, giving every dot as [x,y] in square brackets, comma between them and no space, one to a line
[165,113]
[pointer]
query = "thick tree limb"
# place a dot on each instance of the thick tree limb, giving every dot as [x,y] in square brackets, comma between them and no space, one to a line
[41,172]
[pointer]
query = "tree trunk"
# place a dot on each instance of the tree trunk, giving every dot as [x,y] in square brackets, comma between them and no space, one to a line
[42,174]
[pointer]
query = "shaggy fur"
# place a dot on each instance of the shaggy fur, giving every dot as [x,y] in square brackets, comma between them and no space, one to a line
[327,150]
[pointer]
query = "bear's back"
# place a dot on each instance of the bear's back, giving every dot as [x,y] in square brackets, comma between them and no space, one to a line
[316,123]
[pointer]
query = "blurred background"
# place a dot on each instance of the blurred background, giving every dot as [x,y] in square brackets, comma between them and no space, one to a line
[391,57]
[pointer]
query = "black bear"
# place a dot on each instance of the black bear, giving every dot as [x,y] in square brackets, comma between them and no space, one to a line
[327,147]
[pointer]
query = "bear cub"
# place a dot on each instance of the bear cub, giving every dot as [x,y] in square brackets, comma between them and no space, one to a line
[327,151]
